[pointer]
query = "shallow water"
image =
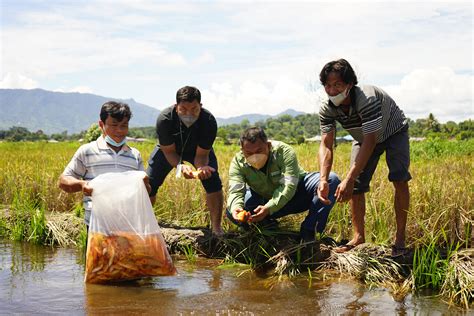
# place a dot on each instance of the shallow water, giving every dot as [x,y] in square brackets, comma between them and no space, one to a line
[37,280]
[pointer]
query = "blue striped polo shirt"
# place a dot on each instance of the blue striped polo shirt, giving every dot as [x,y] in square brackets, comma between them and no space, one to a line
[371,110]
[96,158]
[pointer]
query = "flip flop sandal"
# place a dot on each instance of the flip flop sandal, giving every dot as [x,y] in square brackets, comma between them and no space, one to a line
[344,248]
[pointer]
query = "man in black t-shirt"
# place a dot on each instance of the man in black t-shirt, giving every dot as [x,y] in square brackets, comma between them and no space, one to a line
[186,132]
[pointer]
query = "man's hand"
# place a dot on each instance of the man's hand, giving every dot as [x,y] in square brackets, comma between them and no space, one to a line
[203,173]
[241,215]
[344,190]
[146,181]
[187,171]
[86,189]
[260,212]
[323,192]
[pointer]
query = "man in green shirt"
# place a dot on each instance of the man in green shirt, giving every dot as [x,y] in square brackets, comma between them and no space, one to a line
[266,180]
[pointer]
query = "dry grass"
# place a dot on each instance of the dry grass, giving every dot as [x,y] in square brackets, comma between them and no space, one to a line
[63,229]
[458,286]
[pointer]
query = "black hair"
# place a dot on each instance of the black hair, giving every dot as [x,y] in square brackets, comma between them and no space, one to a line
[251,134]
[340,66]
[188,94]
[117,110]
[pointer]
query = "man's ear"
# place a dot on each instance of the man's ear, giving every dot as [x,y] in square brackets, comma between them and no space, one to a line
[102,126]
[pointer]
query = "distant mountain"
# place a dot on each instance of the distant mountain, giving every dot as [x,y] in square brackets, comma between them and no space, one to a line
[253,118]
[291,112]
[237,119]
[55,112]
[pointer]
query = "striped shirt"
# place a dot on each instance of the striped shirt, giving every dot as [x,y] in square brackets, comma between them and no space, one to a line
[96,158]
[371,110]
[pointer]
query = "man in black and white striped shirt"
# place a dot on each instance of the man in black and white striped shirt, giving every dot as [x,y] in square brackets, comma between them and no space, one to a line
[377,125]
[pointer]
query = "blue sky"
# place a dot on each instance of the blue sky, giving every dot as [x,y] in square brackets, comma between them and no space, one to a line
[245,57]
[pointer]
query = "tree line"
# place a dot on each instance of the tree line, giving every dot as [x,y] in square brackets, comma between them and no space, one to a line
[298,129]
[293,130]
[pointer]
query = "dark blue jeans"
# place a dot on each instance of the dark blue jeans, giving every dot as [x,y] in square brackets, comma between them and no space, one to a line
[305,198]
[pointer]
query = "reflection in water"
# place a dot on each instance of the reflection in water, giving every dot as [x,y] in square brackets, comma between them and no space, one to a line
[34,255]
[47,280]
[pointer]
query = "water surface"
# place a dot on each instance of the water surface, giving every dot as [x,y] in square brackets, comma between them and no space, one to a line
[37,280]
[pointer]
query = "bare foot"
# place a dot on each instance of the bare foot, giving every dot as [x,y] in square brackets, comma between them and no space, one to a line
[349,246]
[344,248]
[218,233]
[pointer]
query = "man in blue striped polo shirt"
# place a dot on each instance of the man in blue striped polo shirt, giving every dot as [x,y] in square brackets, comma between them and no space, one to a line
[109,153]
[377,125]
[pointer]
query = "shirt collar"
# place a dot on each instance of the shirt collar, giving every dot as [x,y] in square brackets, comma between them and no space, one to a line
[102,144]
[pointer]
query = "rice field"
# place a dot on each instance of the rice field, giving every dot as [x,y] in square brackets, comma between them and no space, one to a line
[442,199]
[440,223]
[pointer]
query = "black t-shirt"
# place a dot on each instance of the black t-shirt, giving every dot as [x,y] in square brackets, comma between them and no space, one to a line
[171,130]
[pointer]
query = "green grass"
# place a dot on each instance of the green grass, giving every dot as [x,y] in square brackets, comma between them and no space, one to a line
[82,239]
[441,190]
[190,253]
[431,263]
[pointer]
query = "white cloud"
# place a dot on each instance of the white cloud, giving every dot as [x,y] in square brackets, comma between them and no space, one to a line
[272,97]
[80,89]
[245,57]
[436,90]
[17,81]
[62,52]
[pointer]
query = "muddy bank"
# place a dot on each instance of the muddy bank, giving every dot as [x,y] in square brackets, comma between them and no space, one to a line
[257,246]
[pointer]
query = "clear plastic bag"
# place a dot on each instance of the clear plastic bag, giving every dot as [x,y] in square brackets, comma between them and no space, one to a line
[124,240]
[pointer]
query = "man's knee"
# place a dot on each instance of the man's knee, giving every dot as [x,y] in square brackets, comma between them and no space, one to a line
[213,184]
[400,185]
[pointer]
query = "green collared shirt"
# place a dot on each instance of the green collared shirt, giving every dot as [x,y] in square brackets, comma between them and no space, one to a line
[277,183]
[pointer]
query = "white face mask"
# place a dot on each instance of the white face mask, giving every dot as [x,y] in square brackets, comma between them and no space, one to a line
[188,120]
[257,160]
[112,142]
[338,98]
